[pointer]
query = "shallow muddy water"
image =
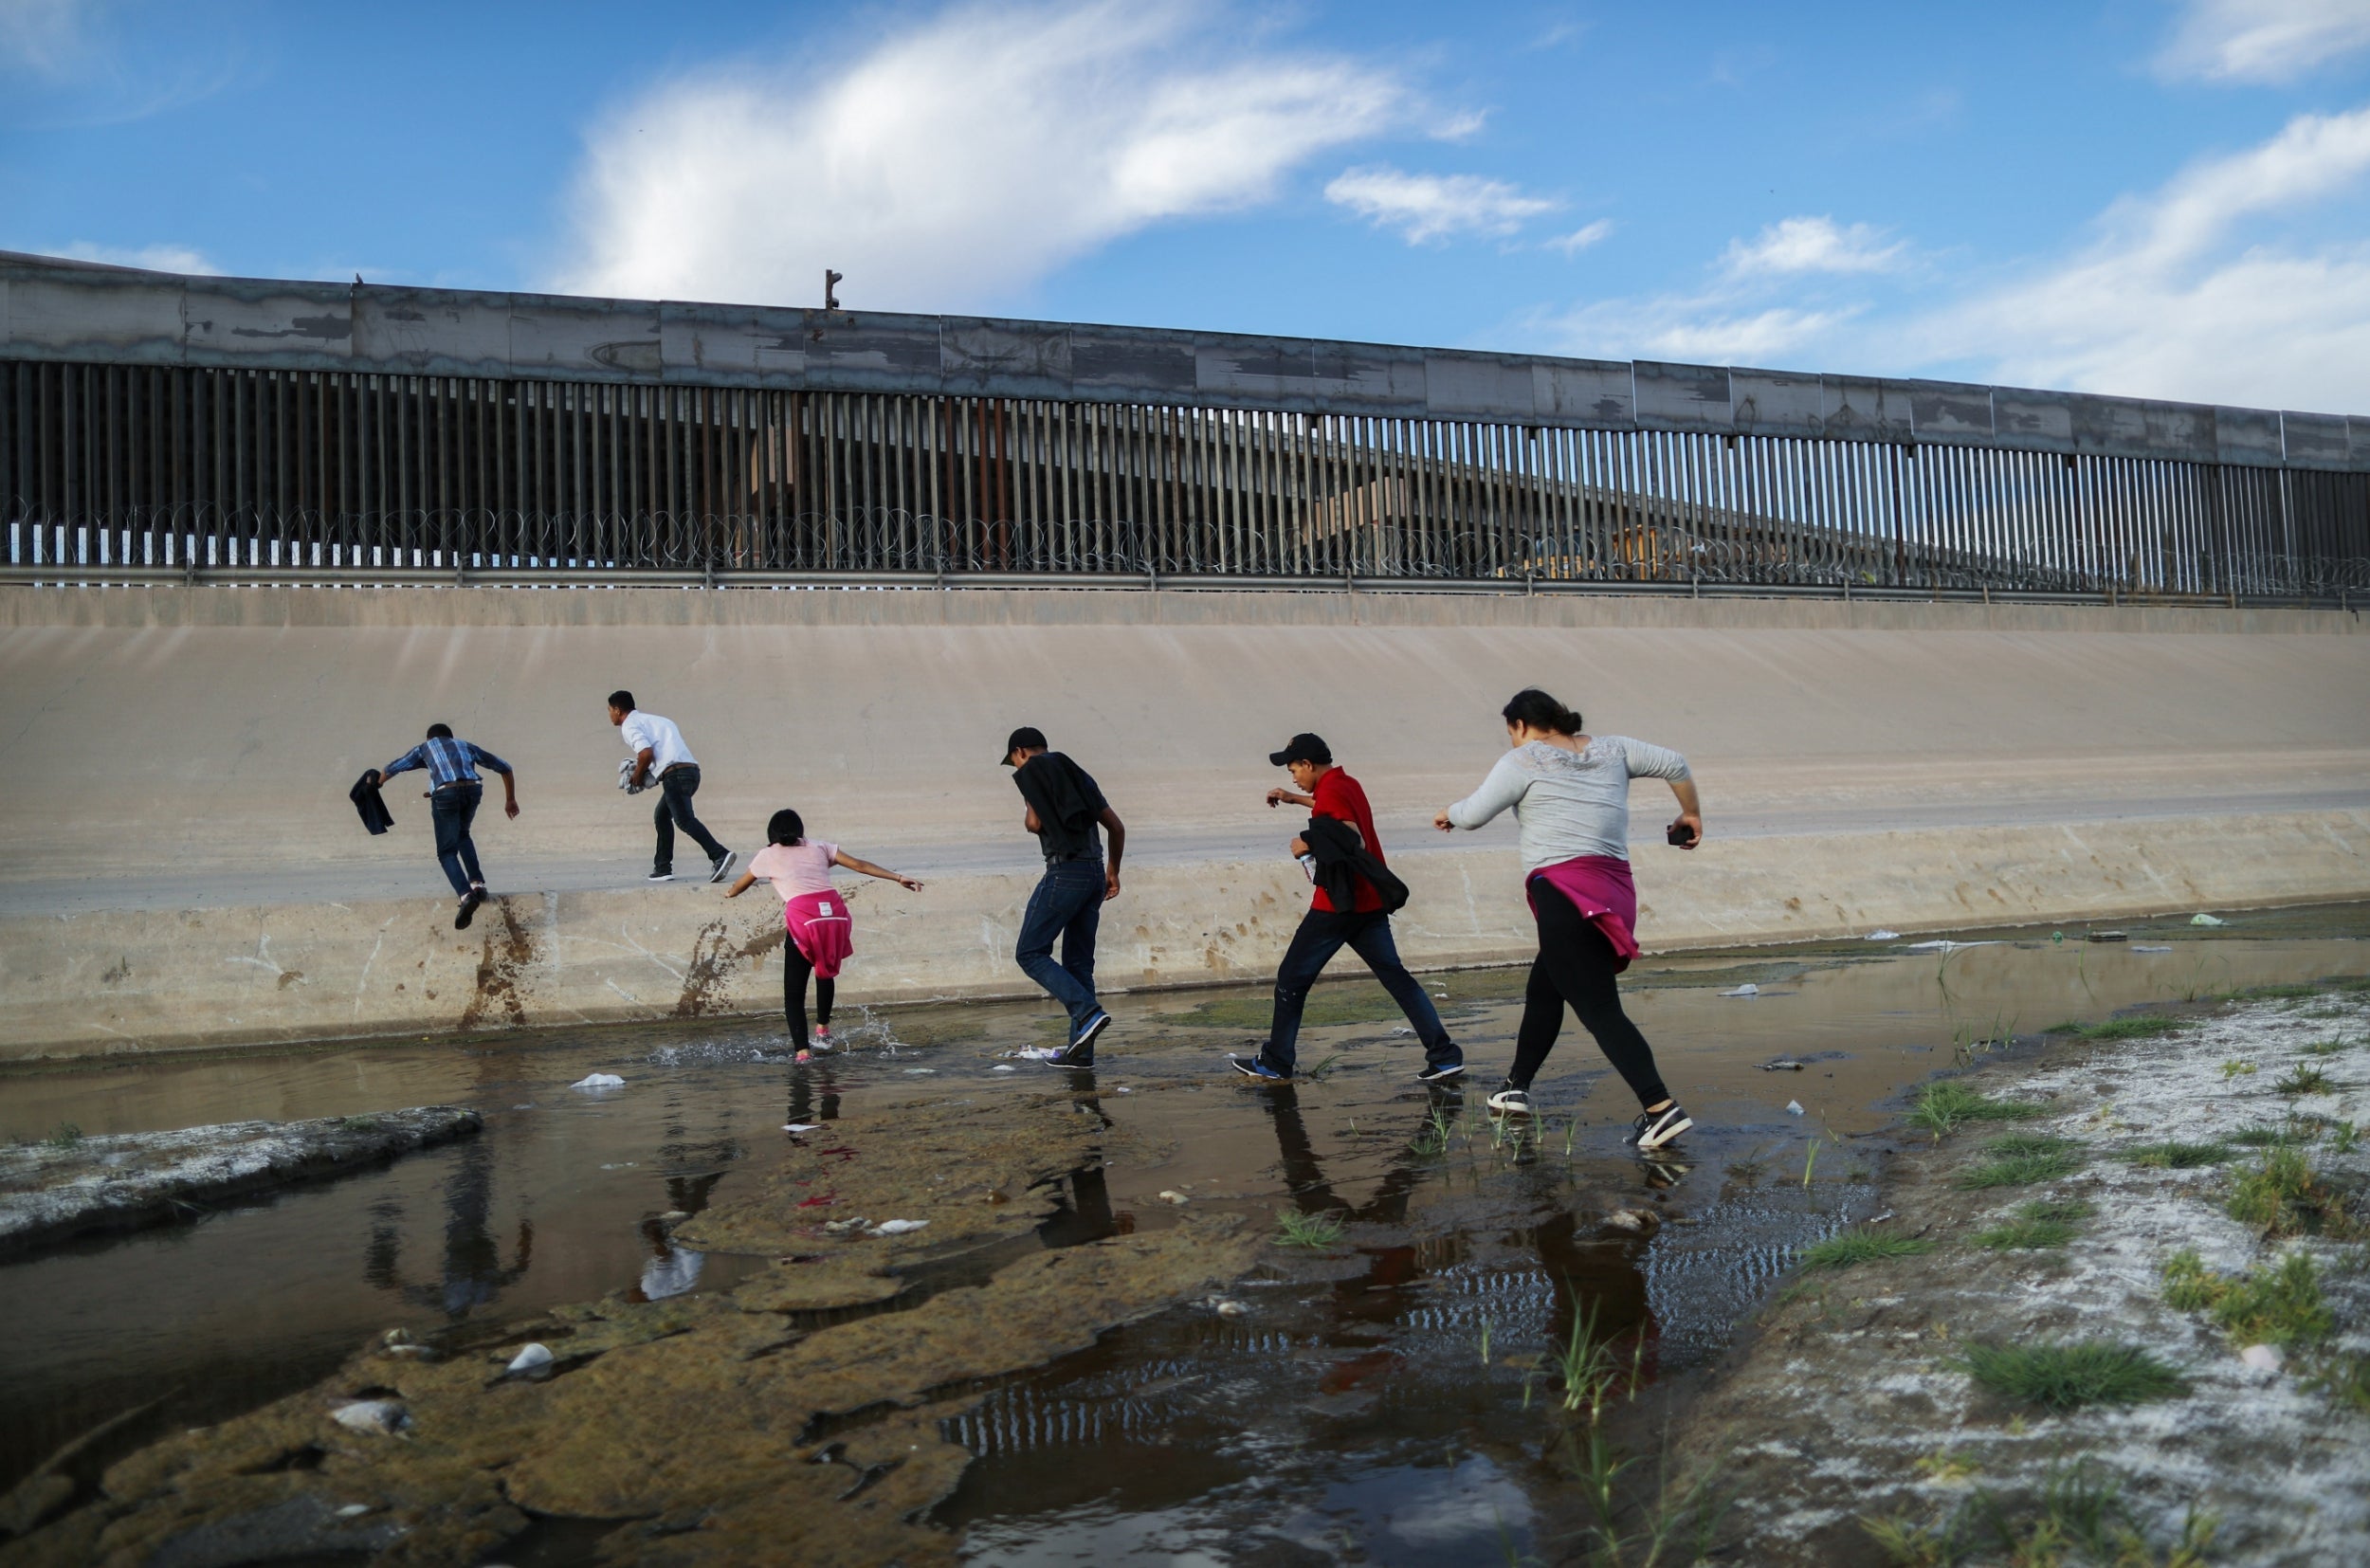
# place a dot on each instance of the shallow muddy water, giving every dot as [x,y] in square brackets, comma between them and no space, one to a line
[1368,1404]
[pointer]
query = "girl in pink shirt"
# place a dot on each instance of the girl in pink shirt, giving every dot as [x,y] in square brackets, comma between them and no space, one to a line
[814,914]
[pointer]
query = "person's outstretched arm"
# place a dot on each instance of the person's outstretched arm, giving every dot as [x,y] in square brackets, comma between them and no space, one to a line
[841,857]
[1502,789]
[748,879]
[1648,760]
[1116,832]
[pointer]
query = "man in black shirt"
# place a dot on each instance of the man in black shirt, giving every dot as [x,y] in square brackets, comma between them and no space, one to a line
[1068,815]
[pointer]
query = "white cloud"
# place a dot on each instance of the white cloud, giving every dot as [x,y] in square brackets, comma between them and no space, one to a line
[958,161]
[2262,41]
[150,258]
[2195,292]
[1433,207]
[44,37]
[1813,245]
[1581,238]
[1702,329]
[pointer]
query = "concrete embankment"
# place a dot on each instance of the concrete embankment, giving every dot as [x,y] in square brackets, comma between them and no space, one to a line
[184,867]
[114,980]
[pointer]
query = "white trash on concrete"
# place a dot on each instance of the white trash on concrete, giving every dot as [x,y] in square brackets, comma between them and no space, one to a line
[531,1357]
[598,1081]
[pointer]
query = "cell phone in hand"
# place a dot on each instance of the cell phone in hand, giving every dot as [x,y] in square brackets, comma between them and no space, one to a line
[1680,835]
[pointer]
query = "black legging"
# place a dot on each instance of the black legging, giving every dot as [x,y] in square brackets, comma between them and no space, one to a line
[795,973]
[1575,965]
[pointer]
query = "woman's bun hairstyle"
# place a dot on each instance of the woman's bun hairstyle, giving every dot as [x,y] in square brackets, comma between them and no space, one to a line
[1534,708]
[784,827]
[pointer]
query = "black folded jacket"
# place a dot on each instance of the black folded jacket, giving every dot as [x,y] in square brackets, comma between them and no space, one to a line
[375,816]
[1341,858]
[1067,800]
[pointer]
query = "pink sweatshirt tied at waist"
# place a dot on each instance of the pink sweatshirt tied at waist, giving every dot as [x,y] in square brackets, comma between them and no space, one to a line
[1599,887]
[819,925]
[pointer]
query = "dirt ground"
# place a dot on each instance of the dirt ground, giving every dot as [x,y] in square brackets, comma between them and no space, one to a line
[1850,1429]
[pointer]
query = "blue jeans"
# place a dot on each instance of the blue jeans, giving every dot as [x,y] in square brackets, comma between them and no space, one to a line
[450,809]
[1325,932]
[1067,903]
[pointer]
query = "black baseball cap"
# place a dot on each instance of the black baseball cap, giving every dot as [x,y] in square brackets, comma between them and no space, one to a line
[1027,736]
[1304,748]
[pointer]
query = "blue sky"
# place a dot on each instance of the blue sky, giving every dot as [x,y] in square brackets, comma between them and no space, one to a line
[2153,198]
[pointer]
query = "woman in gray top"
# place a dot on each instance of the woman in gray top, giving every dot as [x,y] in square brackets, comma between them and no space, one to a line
[1570,791]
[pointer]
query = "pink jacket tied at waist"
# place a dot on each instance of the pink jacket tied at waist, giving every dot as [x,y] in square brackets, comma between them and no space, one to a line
[1599,887]
[818,923]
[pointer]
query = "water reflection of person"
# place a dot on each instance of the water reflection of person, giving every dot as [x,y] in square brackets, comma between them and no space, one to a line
[1586,1272]
[813,1095]
[1083,1196]
[474,1274]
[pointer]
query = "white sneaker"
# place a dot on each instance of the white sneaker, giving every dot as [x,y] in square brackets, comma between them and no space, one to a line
[1653,1129]
[1512,1101]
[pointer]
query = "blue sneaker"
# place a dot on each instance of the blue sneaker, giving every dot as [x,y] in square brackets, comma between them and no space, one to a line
[1256,1067]
[1083,1043]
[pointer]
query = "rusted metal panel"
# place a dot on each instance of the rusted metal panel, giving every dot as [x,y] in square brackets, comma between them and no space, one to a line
[292,326]
[2123,427]
[1006,358]
[2250,436]
[429,332]
[1588,393]
[730,346]
[1480,386]
[69,313]
[1684,397]
[2036,421]
[1776,403]
[872,351]
[1958,413]
[1112,361]
[127,320]
[584,339]
[2316,440]
[1854,407]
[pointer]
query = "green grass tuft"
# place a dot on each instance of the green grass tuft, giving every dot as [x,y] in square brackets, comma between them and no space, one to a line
[1299,1229]
[358,1123]
[2304,1080]
[2178,1156]
[2068,1377]
[2262,1137]
[2037,1227]
[2026,1144]
[67,1135]
[2326,1048]
[1861,1245]
[2276,1306]
[2022,1169]
[2284,1196]
[1947,1107]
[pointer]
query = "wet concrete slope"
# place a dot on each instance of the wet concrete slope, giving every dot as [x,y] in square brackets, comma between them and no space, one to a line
[204,878]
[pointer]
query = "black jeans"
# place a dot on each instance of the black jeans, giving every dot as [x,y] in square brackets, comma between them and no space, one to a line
[451,809]
[796,972]
[1575,965]
[675,790]
[1322,934]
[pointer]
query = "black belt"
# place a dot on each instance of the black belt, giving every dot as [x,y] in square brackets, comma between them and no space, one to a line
[1075,854]
[463,784]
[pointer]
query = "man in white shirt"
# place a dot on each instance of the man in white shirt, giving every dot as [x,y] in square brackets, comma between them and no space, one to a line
[661,758]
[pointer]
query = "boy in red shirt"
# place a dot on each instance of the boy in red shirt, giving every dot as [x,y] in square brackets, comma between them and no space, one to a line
[1364,928]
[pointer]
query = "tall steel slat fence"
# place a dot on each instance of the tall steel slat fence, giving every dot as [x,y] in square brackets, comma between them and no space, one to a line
[197,469]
